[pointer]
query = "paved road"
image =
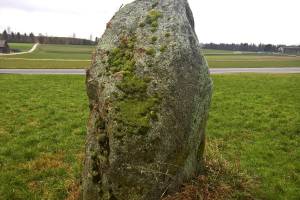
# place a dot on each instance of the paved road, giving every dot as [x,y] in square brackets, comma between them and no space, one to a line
[285,70]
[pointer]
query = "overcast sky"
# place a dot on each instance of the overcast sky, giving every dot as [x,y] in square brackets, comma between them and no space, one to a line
[227,21]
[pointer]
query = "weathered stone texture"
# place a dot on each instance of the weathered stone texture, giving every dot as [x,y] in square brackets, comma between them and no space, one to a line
[149,91]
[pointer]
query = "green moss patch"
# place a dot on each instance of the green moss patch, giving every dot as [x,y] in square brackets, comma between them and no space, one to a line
[152,19]
[134,108]
[163,48]
[142,24]
[133,86]
[153,39]
[167,34]
[121,58]
[153,16]
[135,114]
[150,52]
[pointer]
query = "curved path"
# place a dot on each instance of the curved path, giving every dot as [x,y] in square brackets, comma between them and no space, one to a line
[20,53]
[285,70]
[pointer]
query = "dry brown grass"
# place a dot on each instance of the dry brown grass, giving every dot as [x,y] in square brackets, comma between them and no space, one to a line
[73,186]
[220,180]
[2,131]
[73,189]
[45,162]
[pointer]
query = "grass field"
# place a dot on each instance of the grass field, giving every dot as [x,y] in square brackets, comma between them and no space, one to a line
[251,60]
[50,57]
[42,131]
[78,56]
[53,51]
[20,63]
[215,51]
[21,46]
[256,119]
[254,122]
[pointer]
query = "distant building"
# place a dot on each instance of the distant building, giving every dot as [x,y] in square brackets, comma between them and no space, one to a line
[4,48]
[289,50]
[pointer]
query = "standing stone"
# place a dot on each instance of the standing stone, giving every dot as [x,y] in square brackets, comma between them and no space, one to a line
[149,93]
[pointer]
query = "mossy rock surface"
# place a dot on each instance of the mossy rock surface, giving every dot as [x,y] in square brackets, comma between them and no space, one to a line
[149,93]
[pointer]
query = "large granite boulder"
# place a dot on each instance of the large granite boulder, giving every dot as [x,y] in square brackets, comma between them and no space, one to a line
[149,93]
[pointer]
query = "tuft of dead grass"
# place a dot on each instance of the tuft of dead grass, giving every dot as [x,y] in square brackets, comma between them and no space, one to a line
[2,131]
[45,162]
[73,185]
[219,180]
[73,188]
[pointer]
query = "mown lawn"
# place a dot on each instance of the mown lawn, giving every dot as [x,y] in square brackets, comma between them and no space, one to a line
[54,51]
[216,51]
[42,131]
[49,56]
[19,63]
[21,46]
[254,121]
[252,60]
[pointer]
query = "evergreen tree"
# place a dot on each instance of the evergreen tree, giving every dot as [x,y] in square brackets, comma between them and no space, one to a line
[4,35]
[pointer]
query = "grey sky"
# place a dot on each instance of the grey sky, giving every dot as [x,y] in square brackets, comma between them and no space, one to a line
[228,21]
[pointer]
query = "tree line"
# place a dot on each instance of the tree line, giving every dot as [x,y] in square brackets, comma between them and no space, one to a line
[31,38]
[244,47]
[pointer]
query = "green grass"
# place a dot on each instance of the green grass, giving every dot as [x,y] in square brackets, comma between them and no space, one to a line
[48,56]
[42,131]
[252,60]
[216,51]
[21,46]
[232,59]
[78,56]
[7,63]
[53,51]
[254,121]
